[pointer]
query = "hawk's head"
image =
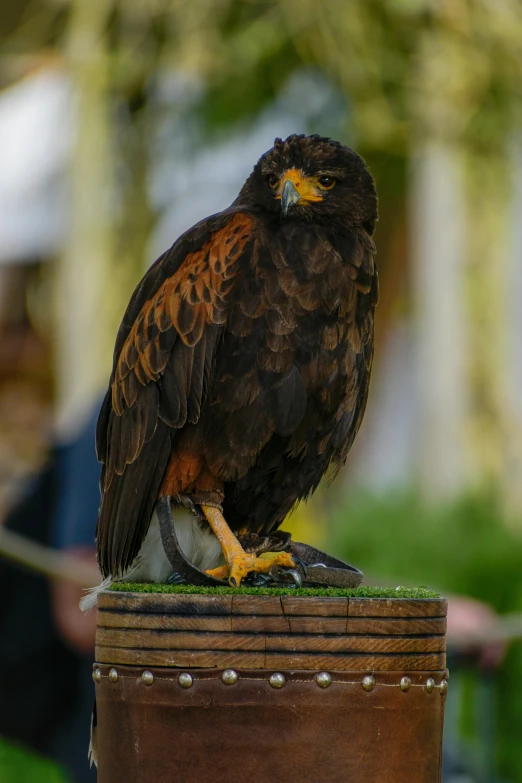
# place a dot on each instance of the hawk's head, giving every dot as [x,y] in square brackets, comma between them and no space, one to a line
[313,178]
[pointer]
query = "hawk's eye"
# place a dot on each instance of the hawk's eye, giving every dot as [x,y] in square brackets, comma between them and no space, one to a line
[273,180]
[326,183]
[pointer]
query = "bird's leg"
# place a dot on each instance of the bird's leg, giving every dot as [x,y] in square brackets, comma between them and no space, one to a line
[238,562]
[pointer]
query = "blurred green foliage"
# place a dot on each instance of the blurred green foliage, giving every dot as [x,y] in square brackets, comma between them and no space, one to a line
[18,765]
[464,549]
[406,66]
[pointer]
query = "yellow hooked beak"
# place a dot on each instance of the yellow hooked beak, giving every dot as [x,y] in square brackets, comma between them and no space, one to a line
[295,188]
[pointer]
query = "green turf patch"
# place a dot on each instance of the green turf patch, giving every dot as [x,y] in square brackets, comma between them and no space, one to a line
[333,592]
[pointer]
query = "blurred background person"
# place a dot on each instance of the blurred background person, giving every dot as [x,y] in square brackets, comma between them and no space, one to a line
[122,124]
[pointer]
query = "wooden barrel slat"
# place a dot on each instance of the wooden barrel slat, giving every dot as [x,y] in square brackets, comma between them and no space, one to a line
[167,640]
[205,659]
[167,622]
[410,627]
[397,607]
[374,644]
[355,662]
[181,640]
[415,626]
[249,605]
[163,603]
[321,607]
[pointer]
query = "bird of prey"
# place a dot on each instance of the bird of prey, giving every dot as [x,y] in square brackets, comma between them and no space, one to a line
[241,366]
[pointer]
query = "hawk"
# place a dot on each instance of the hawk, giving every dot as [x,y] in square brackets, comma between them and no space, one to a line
[241,366]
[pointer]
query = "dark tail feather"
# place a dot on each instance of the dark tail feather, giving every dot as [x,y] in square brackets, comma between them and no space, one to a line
[127,505]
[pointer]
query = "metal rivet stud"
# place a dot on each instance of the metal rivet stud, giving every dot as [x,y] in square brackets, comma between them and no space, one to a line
[405,684]
[185,680]
[368,683]
[323,679]
[113,675]
[96,675]
[430,684]
[229,677]
[277,680]
[147,677]
[443,687]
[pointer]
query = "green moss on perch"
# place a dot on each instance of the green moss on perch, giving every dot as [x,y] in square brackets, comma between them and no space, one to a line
[357,592]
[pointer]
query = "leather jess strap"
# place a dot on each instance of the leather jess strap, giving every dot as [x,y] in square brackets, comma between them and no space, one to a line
[320,569]
[323,570]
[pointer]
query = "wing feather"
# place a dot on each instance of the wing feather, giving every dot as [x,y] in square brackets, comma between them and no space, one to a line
[163,361]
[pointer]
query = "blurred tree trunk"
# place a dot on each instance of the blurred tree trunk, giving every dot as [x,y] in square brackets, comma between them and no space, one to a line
[494,295]
[464,273]
[438,257]
[83,351]
[437,248]
[513,471]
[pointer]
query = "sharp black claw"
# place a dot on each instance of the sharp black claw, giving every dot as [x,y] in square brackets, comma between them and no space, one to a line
[294,574]
[286,576]
[301,564]
[258,580]
[232,582]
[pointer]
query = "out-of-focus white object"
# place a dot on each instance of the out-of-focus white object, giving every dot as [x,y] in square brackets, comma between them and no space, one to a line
[437,209]
[36,131]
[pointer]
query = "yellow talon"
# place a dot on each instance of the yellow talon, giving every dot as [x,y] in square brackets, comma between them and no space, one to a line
[239,562]
[243,564]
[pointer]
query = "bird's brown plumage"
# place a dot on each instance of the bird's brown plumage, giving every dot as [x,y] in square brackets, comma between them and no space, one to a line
[242,364]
